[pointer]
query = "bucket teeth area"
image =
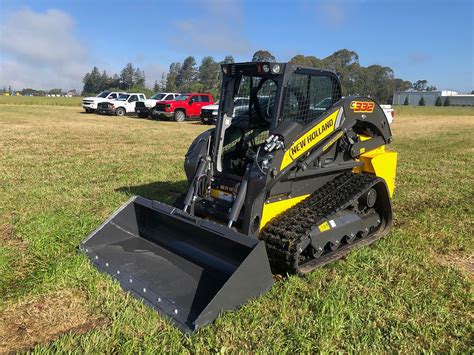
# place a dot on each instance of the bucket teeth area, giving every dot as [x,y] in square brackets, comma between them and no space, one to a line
[186,268]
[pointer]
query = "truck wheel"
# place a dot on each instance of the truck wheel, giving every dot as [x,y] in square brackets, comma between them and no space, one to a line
[179,116]
[88,110]
[120,111]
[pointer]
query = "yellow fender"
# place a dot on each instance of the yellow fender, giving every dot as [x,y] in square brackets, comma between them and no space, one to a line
[381,163]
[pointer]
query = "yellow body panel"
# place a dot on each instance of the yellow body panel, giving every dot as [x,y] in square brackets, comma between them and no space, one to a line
[223,195]
[309,139]
[273,209]
[381,163]
[324,227]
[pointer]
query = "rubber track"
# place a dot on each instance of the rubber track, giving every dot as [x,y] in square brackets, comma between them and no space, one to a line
[283,234]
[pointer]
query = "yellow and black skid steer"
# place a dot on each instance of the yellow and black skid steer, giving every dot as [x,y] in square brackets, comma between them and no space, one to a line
[292,177]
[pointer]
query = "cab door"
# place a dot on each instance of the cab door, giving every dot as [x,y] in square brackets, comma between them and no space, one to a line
[198,102]
[132,100]
[193,106]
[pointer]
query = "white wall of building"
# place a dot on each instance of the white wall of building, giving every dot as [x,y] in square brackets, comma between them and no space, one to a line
[431,96]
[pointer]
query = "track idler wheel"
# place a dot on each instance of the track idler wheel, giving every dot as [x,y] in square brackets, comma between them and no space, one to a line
[316,252]
[349,239]
[335,245]
[368,200]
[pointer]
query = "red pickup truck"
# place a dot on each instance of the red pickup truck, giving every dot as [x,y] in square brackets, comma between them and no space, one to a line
[182,107]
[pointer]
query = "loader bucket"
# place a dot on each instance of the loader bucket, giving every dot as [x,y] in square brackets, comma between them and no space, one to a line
[187,268]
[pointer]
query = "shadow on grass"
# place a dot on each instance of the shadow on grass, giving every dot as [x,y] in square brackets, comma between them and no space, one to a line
[163,191]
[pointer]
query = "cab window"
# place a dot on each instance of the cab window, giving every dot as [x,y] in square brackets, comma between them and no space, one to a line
[308,97]
[133,98]
[113,96]
[204,98]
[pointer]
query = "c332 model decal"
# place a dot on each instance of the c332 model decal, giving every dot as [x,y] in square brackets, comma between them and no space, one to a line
[362,106]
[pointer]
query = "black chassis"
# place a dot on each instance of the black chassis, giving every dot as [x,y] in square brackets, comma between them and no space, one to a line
[296,179]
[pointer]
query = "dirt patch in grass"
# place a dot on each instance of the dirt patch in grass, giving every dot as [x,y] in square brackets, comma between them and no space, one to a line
[415,126]
[43,319]
[463,263]
[8,237]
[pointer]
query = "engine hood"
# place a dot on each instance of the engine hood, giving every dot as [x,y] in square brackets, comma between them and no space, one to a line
[211,107]
[95,98]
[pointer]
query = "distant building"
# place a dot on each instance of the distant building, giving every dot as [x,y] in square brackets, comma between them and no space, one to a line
[430,97]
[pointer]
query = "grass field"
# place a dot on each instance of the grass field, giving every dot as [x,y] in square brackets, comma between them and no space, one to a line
[63,172]
[39,100]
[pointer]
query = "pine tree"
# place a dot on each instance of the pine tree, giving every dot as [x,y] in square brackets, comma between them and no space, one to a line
[139,78]
[127,77]
[172,77]
[406,103]
[421,102]
[187,74]
[208,74]
[156,86]
[92,82]
[163,82]
[104,81]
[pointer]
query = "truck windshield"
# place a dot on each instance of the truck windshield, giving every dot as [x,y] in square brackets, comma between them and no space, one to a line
[103,94]
[158,96]
[123,97]
[182,98]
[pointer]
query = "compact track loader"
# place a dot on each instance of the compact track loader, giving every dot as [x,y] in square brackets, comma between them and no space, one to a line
[292,180]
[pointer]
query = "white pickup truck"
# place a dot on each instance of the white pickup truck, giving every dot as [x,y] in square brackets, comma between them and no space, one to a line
[123,105]
[389,112]
[143,109]
[90,103]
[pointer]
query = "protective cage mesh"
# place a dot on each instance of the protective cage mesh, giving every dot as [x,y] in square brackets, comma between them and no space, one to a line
[308,97]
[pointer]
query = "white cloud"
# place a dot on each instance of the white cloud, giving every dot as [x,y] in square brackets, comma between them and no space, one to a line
[419,57]
[333,13]
[217,30]
[153,71]
[40,50]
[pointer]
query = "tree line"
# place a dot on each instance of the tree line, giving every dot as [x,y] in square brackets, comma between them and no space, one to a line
[375,81]
[128,79]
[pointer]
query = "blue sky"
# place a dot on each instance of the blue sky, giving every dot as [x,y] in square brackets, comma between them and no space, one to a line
[53,43]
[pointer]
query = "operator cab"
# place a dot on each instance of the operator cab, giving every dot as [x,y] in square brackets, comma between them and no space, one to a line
[272,93]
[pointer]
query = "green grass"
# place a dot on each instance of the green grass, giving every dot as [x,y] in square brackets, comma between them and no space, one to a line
[40,100]
[63,172]
[434,110]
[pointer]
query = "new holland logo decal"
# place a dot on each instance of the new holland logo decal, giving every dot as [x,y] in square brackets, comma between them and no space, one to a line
[309,139]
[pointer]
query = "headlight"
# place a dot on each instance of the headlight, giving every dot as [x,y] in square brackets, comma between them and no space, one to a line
[225,69]
[276,69]
[214,113]
[266,68]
